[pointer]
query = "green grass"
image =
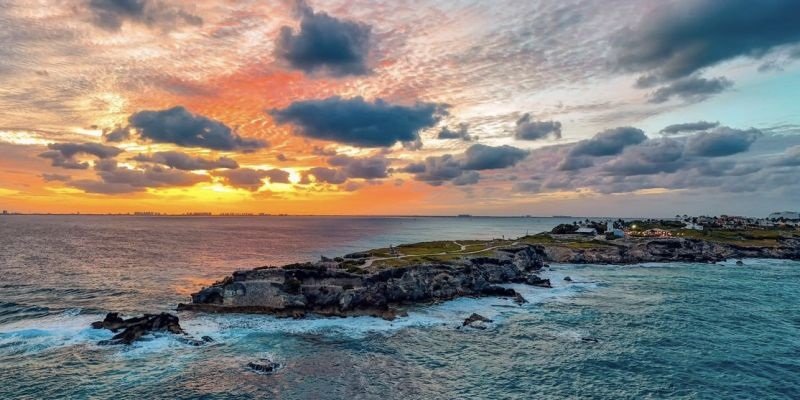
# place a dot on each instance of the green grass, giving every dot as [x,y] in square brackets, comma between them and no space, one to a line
[739,237]
[428,248]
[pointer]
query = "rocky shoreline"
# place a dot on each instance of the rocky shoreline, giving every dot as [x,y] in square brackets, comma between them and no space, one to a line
[370,283]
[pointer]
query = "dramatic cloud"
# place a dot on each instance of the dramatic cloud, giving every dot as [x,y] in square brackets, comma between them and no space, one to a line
[607,143]
[650,157]
[461,133]
[691,89]
[252,179]
[111,14]
[325,44]
[182,161]
[118,134]
[179,126]
[63,154]
[721,142]
[529,129]
[678,39]
[689,127]
[357,122]
[461,170]
[364,168]
[480,157]
[436,170]
[116,180]
[325,175]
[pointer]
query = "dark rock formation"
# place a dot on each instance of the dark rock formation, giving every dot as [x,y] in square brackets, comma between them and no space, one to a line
[356,286]
[564,229]
[568,279]
[640,250]
[519,299]
[476,321]
[264,366]
[134,328]
[534,280]
[294,290]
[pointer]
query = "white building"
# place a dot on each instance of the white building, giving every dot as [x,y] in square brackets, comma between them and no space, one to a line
[692,225]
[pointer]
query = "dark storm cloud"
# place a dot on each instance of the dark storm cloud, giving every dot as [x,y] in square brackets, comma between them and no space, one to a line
[480,157]
[63,154]
[529,129]
[689,127]
[325,175]
[118,134]
[364,168]
[357,122]
[183,128]
[436,170]
[721,142]
[111,14]
[116,180]
[462,169]
[678,39]
[252,179]
[182,161]
[650,157]
[609,142]
[692,89]
[461,133]
[325,44]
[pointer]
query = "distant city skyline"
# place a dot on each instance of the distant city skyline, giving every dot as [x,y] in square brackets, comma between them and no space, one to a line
[625,108]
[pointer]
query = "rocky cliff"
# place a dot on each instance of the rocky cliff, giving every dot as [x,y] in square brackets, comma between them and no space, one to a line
[370,283]
[326,288]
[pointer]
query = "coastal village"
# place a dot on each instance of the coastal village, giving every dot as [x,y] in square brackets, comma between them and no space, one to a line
[681,225]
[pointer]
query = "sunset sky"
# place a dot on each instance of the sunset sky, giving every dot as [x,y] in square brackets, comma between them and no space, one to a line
[606,107]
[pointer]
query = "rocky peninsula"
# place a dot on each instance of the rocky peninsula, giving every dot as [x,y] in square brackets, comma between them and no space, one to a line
[381,282]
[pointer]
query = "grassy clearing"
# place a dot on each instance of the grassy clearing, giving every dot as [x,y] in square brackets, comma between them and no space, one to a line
[428,248]
[740,237]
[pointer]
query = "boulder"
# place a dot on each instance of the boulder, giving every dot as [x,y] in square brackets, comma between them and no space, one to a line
[519,299]
[134,328]
[264,366]
[476,321]
[568,279]
[535,280]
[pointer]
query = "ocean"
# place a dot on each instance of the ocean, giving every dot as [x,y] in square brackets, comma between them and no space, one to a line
[658,331]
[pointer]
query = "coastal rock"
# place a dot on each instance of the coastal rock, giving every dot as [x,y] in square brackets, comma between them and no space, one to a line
[135,328]
[264,366]
[476,321]
[373,283]
[535,280]
[568,279]
[326,289]
[519,299]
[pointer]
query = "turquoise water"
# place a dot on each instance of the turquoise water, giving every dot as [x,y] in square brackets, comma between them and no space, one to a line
[658,331]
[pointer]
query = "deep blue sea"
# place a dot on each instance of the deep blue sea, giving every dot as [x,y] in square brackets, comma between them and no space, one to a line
[653,331]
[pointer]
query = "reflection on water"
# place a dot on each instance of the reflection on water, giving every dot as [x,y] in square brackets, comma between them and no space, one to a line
[649,331]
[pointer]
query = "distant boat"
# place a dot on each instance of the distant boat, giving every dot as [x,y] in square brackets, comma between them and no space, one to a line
[562,216]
